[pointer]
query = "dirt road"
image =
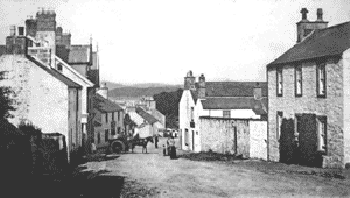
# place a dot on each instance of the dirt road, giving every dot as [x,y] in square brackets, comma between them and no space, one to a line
[158,176]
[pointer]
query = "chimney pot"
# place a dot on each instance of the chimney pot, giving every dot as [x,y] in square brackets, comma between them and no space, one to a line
[319,14]
[13,30]
[304,12]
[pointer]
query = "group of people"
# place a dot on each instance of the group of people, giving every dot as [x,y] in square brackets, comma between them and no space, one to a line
[171,150]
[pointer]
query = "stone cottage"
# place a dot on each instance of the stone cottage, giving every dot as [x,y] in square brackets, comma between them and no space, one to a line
[309,97]
[41,94]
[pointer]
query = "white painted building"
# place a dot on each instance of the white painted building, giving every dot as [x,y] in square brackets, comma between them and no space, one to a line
[231,100]
[44,97]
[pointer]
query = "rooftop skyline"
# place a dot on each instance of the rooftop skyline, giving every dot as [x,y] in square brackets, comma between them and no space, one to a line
[158,41]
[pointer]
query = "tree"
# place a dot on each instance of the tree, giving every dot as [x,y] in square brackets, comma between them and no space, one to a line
[5,101]
[167,103]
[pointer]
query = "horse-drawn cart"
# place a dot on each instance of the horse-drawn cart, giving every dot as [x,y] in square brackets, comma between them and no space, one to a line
[125,143]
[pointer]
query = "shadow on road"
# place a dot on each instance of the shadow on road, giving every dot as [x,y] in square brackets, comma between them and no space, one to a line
[81,183]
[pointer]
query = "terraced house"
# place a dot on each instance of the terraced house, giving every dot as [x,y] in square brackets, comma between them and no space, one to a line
[309,97]
[108,121]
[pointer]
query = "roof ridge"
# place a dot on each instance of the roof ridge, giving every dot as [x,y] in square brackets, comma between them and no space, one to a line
[49,69]
[74,71]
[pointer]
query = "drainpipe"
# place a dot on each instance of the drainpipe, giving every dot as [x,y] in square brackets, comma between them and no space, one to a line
[267,122]
[77,117]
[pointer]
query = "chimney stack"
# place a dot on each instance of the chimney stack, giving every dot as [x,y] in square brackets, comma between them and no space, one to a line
[257,92]
[304,12]
[21,31]
[13,30]
[319,14]
[201,86]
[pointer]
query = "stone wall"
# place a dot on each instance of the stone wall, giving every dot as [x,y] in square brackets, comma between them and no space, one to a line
[75,126]
[346,76]
[218,135]
[331,106]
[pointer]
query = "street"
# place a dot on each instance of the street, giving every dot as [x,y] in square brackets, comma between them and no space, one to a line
[154,175]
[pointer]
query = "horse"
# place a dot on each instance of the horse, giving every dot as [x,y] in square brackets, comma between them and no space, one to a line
[141,142]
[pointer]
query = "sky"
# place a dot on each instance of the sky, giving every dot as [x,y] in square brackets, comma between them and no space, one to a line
[159,41]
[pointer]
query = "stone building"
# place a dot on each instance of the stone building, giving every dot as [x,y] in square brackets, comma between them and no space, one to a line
[108,121]
[309,95]
[41,94]
[217,100]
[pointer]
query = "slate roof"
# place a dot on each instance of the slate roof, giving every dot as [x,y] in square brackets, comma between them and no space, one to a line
[104,105]
[148,117]
[234,89]
[55,73]
[93,76]
[330,41]
[236,103]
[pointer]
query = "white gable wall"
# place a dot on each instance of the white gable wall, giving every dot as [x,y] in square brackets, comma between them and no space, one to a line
[186,103]
[39,97]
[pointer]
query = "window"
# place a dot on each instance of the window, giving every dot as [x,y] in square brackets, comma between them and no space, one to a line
[322,133]
[119,130]
[59,67]
[279,117]
[106,135]
[98,138]
[227,114]
[106,117]
[112,116]
[297,129]
[321,80]
[298,81]
[192,113]
[113,131]
[118,115]
[279,89]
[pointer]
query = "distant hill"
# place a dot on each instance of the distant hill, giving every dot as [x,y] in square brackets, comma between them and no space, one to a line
[112,85]
[137,91]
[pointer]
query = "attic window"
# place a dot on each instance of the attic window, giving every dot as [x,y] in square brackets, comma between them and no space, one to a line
[59,67]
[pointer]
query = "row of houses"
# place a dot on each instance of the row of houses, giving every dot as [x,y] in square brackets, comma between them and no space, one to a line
[54,84]
[300,115]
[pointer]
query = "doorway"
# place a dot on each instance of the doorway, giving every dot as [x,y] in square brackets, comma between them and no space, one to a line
[235,142]
[193,140]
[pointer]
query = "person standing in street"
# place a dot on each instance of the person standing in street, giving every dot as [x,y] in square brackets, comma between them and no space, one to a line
[93,147]
[172,148]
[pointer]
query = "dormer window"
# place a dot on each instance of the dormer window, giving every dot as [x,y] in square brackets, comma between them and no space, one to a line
[59,67]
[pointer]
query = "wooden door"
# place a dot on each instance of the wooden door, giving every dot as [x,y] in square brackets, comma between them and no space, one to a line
[235,142]
[193,140]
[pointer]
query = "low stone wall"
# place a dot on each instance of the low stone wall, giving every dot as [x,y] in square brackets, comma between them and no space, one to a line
[218,135]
